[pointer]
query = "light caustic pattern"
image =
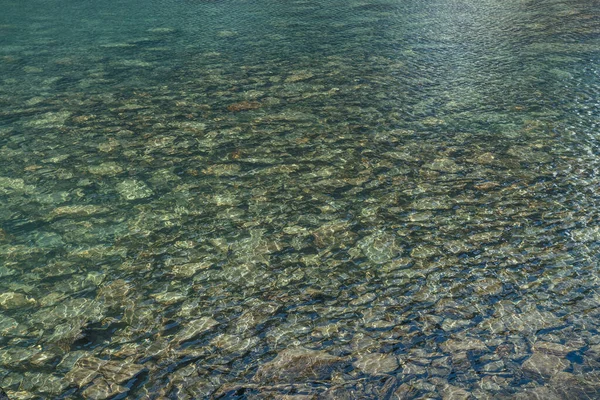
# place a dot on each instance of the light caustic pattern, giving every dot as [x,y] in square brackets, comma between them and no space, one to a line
[336,199]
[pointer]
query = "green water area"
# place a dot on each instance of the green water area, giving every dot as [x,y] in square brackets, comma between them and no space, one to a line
[300,200]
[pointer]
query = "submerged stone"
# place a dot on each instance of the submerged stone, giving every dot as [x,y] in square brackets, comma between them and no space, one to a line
[538,393]
[445,165]
[580,386]
[105,169]
[109,372]
[119,371]
[451,392]
[376,363]
[13,300]
[194,328]
[10,186]
[463,344]
[50,120]
[380,247]
[544,366]
[332,234]
[101,389]
[244,106]
[555,349]
[132,189]
[77,210]
[295,364]
[44,383]
[298,76]
[222,169]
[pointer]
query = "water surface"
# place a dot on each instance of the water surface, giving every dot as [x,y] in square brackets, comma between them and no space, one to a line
[330,199]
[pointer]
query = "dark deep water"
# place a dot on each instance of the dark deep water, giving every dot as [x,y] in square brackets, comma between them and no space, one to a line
[313,199]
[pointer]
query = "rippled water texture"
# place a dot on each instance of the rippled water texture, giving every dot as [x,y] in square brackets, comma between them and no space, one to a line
[305,199]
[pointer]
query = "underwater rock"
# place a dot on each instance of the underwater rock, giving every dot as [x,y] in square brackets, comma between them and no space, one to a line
[529,321]
[298,76]
[444,165]
[581,386]
[101,389]
[70,359]
[12,300]
[451,392]
[8,325]
[71,309]
[44,383]
[258,314]
[120,371]
[84,371]
[463,344]
[17,356]
[79,210]
[49,120]
[433,203]
[115,292]
[331,233]
[194,328]
[485,158]
[133,189]
[457,246]
[538,393]
[222,169]
[190,269]
[485,237]
[48,239]
[195,127]
[295,364]
[460,362]
[488,287]
[364,299]
[168,298]
[486,185]
[555,349]
[339,393]
[43,359]
[10,186]
[111,372]
[405,391]
[162,30]
[588,234]
[376,363]
[105,169]
[244,106]
[380,247]
[425,251]
[543,366]
[234,343]
[381,206]
[227,34]
[529,154]
[432,121]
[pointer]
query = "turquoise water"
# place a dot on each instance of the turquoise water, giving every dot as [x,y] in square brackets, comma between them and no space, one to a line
[320,200]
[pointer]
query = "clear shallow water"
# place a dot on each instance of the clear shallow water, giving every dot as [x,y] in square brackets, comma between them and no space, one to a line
[258,199]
